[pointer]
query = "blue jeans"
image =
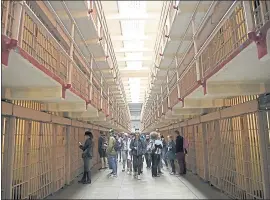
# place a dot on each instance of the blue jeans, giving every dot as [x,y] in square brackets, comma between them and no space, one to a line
[113,163]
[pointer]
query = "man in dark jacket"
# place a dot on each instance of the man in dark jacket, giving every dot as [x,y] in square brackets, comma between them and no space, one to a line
[180,152]
[137,147]
[87,156]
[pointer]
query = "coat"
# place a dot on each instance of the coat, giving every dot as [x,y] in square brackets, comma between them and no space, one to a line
[137,147]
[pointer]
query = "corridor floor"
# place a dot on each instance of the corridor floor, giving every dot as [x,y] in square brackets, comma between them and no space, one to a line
[126,187]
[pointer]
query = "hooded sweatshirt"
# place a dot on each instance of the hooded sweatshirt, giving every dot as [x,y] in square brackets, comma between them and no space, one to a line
[111,151]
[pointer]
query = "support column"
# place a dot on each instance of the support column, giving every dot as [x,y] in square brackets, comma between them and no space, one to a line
[67,157]
[196,51]
[71,50]
[17,19]
[205,152]
[54,161]
[8,158]
[263,141]
[5,18]
[20,37]
[248,16]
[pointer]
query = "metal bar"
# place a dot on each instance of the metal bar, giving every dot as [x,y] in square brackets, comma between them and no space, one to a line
[206,16]
[70,37]
[219,25]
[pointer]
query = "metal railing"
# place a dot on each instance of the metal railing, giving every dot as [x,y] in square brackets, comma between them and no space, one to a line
[40,43]
[229,35]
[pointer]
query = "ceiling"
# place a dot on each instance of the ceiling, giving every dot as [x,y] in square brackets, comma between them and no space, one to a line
[133,28]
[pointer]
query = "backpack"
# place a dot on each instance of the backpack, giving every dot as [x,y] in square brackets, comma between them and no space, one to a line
[117,145]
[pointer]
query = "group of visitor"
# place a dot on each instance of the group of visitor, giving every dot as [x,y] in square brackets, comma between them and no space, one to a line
[131,150]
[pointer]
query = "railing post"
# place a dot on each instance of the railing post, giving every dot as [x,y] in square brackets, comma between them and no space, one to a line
[168,92]
[161,91]
[17,20]
[101,93]
[205,151]
[71,50]
[5,18]
[67,161]
[108,105]
[177,78]
[20,38]
[196,50]
[91,79]
[263,141]
[8,158]
[248,16]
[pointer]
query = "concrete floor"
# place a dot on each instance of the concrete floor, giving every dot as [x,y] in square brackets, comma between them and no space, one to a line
[126,187]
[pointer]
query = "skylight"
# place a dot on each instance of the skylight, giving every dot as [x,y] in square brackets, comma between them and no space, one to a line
[133,28]
[134,84]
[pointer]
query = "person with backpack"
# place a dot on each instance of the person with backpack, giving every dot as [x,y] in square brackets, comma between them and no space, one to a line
[155,147]
[163,153]
[112,153]
[102,148]
[137,149]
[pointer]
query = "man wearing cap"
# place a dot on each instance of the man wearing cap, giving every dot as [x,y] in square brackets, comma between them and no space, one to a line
[112,154]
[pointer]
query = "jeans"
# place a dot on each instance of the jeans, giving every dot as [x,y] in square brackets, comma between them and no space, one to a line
[119,155]
[124,158]
[137,164]
[172,165]
[181,161]
[113,164]
[155,163]
[148,159]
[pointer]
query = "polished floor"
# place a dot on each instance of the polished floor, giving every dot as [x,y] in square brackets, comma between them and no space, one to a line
[126,187]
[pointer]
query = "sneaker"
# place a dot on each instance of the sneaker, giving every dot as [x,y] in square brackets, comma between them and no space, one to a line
[135,174]
[110,173]
[172,173]
[123,170]
[139,177]
[129,173]
[113,175]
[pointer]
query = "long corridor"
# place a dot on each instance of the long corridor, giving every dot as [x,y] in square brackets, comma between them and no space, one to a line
[126,187]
